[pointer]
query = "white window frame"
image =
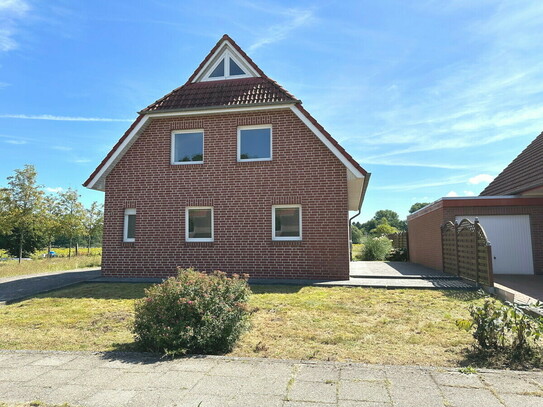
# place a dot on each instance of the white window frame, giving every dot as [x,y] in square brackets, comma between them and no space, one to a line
[129,211]
[199,239]
[172,155]
[226,56]
[274,207]
[263,126]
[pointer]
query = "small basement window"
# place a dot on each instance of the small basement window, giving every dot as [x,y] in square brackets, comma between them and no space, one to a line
[255,143]
[199,224]
[287,222]
[188,147]
[129,233]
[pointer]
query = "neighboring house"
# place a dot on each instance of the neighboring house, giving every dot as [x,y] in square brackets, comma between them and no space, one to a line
[228,172]
[510,209]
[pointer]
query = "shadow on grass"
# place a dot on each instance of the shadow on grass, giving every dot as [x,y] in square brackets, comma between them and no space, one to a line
[105,291]
[464,295]
[275,289]
[502,359]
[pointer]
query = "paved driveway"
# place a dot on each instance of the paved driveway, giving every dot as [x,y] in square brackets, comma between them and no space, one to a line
[101,380]
[17,288]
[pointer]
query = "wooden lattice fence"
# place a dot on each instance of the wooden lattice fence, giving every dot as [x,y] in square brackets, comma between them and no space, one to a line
[399,240]
[467,252]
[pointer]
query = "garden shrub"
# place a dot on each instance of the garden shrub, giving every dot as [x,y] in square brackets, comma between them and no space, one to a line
[505,329]
[194,313]
[399,254]
[377,248]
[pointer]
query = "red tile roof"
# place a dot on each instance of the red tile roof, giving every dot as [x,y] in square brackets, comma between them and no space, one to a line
[229,92]
[524,173]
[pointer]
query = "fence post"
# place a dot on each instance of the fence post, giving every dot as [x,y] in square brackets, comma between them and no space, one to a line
[456,249]
[476,230]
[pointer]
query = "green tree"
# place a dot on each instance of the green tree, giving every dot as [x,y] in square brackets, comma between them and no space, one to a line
[416,206]
[356,235]
[24,203]
[71,213]
[93,223]
[384,228]
[50,221]
[392,218]
[4,211]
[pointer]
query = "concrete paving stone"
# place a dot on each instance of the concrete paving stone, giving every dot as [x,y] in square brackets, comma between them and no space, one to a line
[351,403]
[313,391]
[233,368]
[403,376]
[194,364]
[158,366]
[206,400]
[518,400]
[362,373]
[412,396]
[109,398]
[82,362]
[98,377]
[307,404]
[272,370]
[53,360]
[117,364]
[19,359]
[22,373]
[138,380]
[218,386]
[259,385]
[73,393]
[177,379]
[312,373]
[364,391]
[56,377]
[458,397]
[25,394]
[509,383]
[161,397]
[255,400]
[457,379]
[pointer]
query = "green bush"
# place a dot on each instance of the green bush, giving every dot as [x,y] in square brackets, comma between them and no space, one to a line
[504,329]
[377,248]
[399,254]
[194,313]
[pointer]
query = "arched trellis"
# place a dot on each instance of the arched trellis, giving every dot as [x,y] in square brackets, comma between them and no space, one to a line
[466,251]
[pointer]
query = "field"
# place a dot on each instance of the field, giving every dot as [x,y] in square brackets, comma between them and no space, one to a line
[343,324]
[11,268]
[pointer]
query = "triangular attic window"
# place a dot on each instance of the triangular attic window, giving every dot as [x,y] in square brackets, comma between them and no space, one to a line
[227,67]
[218,72]
[235,69]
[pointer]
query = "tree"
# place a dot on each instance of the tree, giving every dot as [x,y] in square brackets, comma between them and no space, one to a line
[392,218]
[71,214]
[384,228]
[24,201]
[356,235]
[93,223]
[4,212]
[50,221]
[416,206]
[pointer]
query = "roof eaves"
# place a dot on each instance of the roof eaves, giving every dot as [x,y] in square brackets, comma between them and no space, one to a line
[214,107]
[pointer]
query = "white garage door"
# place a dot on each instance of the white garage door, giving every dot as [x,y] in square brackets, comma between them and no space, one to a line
[511,241]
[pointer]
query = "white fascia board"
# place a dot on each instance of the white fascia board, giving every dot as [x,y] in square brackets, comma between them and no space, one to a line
[128,141]
[226,46]
[327,143]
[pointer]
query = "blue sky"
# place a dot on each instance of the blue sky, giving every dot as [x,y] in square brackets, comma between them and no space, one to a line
[433,97]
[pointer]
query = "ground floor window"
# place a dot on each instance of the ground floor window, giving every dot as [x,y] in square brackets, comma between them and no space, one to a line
[287,222]
[199,224]
[129,234]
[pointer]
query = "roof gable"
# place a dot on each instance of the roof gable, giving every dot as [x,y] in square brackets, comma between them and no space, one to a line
[524,173]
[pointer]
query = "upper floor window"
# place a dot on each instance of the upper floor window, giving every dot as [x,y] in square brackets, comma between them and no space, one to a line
[129,232]
[254,143]
[227,67]
[188,147]
[199,224]
[287,222]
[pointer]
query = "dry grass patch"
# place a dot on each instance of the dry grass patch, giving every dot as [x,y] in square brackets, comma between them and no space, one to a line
[341,323]
[11,268]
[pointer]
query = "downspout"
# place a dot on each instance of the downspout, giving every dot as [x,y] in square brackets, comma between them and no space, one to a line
[362,195]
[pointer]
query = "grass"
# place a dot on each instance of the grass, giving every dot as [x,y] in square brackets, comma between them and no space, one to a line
[358,251]
[11,268]
[340,323]
[64,251]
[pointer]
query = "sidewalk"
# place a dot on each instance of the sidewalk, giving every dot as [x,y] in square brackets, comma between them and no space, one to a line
[19,287]
[115,379]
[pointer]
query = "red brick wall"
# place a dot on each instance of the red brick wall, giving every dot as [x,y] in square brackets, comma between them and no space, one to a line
[425,239]
[303,171]
[536,223]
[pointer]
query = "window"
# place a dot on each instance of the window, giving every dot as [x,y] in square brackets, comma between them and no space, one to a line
[227,68]
[287,222]
[199,224]
[129,233]
[188,147]
[254,143]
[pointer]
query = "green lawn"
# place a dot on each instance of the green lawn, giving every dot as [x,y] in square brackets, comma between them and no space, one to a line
[341,323]
[10,268]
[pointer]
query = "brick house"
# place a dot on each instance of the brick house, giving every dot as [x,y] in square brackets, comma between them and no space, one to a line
[510,209]
[228,172]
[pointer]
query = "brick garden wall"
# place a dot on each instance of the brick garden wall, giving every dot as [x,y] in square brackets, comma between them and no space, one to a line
[303,171]
[425,239]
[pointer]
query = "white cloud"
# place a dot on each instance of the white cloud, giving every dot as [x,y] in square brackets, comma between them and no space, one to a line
[452,194]
[62,148]
[11,12]
[481,178]
[15,142]
[422,185]
[54,190]
[61,118]
[81,160]
[295,18]
[469,193]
